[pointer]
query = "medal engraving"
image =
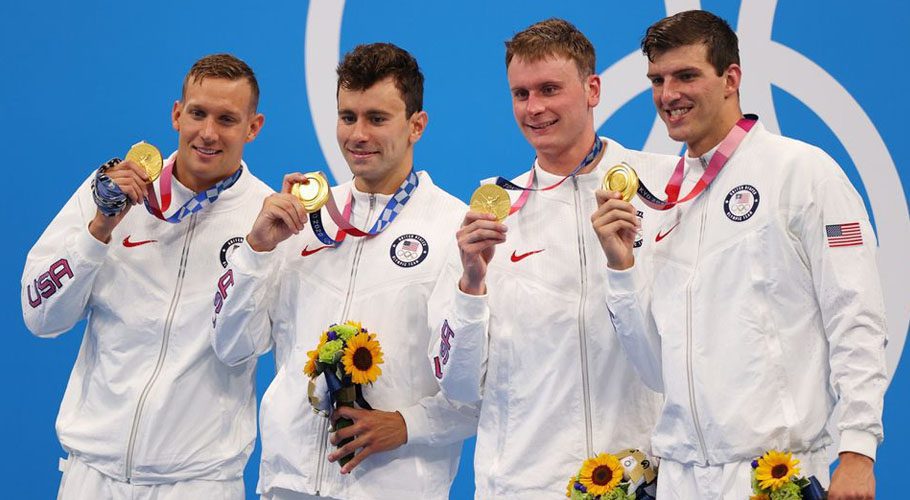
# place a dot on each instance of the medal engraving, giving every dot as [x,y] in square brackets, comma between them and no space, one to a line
[148,157]
[623,179]
[491,199]
[314,193]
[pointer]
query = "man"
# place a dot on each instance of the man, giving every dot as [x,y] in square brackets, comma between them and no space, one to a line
[149,410]
[520,329]
[285,288]
[762,306]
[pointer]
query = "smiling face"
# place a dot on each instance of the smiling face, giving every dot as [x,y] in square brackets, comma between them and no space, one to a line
[698,106]
[553,106]
[214,120]
[376,138]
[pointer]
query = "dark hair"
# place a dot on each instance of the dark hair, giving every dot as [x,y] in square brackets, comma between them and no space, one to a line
[552,37]
[223,66]
[366,65]
[692,27]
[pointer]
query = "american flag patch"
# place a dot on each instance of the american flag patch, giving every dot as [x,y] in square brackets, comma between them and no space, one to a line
[844,235]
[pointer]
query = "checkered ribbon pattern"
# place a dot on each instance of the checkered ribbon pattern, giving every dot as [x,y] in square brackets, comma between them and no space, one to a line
[198,202]
[389,212]
[108,196]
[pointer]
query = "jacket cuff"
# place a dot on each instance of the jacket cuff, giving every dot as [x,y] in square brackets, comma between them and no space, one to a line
[623,282]
[470,308]
[88,247]
[418,424]
[856,441]
[250,262]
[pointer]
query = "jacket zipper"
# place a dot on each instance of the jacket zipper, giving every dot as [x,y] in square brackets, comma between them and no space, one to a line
[168,323]
[582,337]
[689,372]
[324,434]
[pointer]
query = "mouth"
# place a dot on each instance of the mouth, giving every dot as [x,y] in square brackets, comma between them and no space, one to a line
[542,125]
[207,152]
[362,155]
[676,114]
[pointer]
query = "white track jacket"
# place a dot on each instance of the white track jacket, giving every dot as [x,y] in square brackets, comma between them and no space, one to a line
[147,401]
[761,309]
[538,350]
[289,296]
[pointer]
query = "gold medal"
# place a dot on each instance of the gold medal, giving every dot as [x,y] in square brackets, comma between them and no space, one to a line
[314,193]
[622,178]
[491,199]
[148,157]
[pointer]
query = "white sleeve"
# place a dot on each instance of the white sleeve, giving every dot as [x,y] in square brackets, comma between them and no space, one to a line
[849,294]
[459,322]
[61,268]
[435,420]
[241,327]
[629,304]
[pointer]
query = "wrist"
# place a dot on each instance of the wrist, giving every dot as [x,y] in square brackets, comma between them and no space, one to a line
[472,287]
[101,227]
[257,245]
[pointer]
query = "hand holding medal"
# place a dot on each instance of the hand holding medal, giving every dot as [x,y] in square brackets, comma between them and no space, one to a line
[118,184]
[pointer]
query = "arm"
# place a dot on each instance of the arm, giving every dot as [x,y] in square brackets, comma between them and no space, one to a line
[61,268]
[628,293]
[241,326]
[459,315]
[848,291]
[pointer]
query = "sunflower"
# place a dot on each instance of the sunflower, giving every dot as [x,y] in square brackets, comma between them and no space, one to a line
[361,359]
[310,368]
[600,474]
[775,469]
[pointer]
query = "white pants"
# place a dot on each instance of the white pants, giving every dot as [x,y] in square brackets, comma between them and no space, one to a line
[81,482]
[283,494]
[732,481]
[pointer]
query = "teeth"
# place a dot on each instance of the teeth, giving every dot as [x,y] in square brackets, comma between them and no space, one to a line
[206,151]
[678,112]
[542,125]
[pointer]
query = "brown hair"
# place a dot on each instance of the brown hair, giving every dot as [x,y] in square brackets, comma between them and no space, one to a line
[223,66]
[553,37]
[693,27]
[366,65]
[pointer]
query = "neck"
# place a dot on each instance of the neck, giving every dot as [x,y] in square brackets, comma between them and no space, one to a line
[564,161]
[717,135]
[198,184]
[386,185]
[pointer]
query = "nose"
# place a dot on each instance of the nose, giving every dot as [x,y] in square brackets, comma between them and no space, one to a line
[208,133]
[358,131]
[535,104]
[668,92]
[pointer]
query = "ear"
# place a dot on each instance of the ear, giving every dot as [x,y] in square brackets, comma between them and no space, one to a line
[255,126]
[732,78]
[592,87]
[417,124]
[175,115]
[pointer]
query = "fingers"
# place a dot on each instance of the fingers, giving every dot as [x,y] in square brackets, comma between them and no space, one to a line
[480,231]
[602,196]
[290,180]
[132,180]
[288,209]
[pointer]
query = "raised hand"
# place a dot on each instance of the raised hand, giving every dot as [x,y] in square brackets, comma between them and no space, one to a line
[282,215]
[477,240]
[616,225]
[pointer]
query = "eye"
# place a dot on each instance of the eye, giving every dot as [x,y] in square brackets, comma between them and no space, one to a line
[520,94]
[549,89]
[346,119]
[228,120]
[197,113]
[377,120]
[656,81]
[687,77]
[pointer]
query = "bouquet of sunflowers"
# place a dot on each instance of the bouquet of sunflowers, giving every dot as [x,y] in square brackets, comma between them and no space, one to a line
[627,475]
[347,357]
[774,477]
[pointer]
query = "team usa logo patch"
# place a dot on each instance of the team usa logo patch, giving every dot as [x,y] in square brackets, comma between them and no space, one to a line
[741,203]
[408,250]
[228,245]
[639,238]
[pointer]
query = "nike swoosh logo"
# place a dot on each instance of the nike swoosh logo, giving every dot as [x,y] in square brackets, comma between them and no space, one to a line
[516,257]
[664,235]
[129,244]
[306,251]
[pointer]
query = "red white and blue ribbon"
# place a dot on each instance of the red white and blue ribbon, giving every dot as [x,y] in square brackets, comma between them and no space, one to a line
[194,204]
[526,191]
[342,220]
[724,151]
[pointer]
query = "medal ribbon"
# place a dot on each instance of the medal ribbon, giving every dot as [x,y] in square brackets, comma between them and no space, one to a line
[343,221]
[724,151]
[526,191]
[193,205]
